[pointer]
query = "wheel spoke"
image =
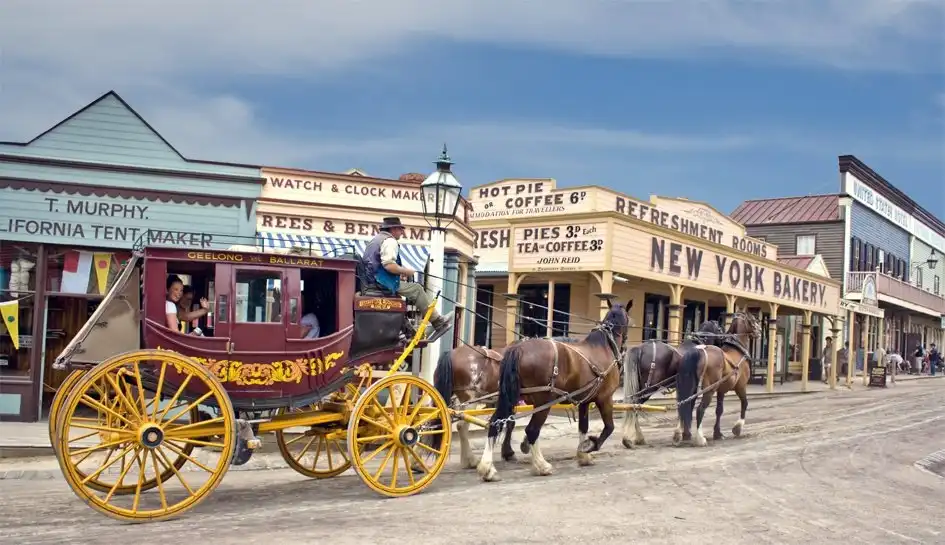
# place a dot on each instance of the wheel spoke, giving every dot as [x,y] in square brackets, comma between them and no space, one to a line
[98,447]
[141,469]
[418,460]
[383,411]
[174,469]
[173,401]
[393,473]
[137,368]
[305,449]
[180,452]
[91,403]
[416,410]
[373,438]
[121,478]
[177,429]
[190,406]
[428,448]
[377,424]
[413,480]
[157,392]
[389,443]
[160,481]
[108,464]
[341,450]
[299,438]
[387,458]
[120,396]
[405,403]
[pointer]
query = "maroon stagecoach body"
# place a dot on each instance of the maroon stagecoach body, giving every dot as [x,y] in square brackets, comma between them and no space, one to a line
[264,364]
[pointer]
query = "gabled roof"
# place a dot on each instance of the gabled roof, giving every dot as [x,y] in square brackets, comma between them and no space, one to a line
[810,209]
[796,261]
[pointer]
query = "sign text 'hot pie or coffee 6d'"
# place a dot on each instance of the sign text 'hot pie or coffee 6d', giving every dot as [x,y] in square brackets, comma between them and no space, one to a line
[525,198]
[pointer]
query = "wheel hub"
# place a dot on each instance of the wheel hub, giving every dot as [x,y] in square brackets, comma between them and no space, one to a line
[408,436]
[151,436]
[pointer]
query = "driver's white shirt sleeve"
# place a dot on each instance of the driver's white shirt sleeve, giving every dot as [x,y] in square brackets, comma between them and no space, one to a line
[389,250]
[170,308]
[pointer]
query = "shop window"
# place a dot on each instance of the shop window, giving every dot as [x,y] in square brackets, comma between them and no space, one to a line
[17,285]
[936,285]
[482,331]
[881,260]
[806,244]
[79,272]
[258,297]
[861,256]
[903,271]
[855,246]
[918,278]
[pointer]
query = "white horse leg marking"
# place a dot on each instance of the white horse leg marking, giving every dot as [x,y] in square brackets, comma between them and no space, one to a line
[466,458]
[540,466]
[637,431]
[486,468]
[627,440]
[583,458]
[738,427]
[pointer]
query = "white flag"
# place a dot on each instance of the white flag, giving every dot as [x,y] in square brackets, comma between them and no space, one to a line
[76,271]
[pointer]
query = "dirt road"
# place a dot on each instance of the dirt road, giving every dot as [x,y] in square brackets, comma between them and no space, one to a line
[809,469]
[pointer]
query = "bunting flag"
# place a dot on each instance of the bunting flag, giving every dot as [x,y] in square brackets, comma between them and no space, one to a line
[102,262]
[76,270]
[10,312]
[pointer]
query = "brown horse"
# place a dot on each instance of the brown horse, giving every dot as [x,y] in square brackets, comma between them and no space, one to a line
[543,371]
[718,370]
[468,373]
[656,364]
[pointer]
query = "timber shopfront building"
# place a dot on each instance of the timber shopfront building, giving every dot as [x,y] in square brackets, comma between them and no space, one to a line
[338,214]
[545,252]
[73,202]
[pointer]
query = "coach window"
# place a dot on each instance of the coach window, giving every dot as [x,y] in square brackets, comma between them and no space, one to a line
[258,297]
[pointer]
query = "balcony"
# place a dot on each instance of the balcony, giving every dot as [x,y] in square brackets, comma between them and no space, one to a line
[893,288]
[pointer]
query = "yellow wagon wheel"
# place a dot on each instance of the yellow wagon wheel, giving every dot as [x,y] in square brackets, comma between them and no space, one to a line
[146,436]
[101,482]
[57,400]
[319,453]
[385,435]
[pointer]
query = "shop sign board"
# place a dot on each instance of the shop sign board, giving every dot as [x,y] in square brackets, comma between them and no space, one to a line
[650,254]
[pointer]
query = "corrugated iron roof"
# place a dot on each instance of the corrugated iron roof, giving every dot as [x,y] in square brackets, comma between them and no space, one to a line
[796,261]
[814,208]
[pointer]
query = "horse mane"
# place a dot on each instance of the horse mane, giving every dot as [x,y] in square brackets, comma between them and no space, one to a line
[597,337]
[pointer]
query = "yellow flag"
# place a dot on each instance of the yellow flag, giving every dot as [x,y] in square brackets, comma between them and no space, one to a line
[103,263]
[10,312]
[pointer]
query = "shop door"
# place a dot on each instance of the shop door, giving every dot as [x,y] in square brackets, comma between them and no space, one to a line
[693,316]
[482,332]
[533,310]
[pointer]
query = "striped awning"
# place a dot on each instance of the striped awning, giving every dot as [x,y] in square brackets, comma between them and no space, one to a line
[414,255]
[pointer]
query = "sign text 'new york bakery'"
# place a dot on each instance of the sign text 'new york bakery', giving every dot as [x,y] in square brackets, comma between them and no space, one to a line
[684,261]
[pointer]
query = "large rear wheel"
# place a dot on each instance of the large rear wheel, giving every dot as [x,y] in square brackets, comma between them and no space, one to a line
[109,432]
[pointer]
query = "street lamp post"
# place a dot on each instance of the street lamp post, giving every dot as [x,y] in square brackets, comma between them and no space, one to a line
[441,195]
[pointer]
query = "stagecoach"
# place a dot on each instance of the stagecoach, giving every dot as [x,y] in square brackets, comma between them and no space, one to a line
[150,425]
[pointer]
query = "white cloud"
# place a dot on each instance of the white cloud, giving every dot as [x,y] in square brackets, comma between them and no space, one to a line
[56,56]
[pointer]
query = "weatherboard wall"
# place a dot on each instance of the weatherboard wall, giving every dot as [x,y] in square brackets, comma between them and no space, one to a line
[871,228]
[830,241]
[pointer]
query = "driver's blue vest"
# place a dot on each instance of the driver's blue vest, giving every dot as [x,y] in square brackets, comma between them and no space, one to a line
[374,272]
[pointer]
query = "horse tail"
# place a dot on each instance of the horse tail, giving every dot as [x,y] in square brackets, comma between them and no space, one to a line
[509,389]
[687,384]
[443,382]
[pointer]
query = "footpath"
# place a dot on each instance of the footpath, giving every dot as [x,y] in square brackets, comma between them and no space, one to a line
[26,452]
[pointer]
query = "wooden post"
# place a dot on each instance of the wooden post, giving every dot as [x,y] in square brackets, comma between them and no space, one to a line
[729,310]
[805,349]
[675,314]
[837,345]
[851,348]
[772,344]
[549,330]
[864,339]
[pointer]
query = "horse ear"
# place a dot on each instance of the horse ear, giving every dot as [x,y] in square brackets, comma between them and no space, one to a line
[610,304]
[629,304]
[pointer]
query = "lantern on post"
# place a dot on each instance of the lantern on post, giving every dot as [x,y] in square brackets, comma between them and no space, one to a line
[441,196]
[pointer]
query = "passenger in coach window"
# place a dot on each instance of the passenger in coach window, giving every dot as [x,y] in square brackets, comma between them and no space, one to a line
[174,316]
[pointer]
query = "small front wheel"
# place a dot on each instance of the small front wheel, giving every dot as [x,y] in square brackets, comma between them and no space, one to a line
[386,435]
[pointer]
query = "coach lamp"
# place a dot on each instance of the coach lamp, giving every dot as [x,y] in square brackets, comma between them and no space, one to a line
[931,262]
[441,191]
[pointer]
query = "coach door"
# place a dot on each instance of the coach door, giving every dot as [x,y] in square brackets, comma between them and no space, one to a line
[250,308]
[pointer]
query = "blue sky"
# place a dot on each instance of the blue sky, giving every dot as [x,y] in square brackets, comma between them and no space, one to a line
[718,102]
